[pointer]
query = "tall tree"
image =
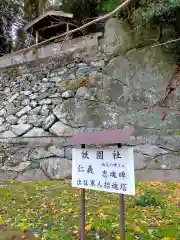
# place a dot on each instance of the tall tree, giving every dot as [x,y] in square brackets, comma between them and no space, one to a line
[9,12]
[34,8]
[83,11]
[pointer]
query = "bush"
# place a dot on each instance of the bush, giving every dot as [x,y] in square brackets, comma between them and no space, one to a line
[147,200]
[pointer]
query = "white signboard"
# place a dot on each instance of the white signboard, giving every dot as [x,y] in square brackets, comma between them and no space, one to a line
[109,170]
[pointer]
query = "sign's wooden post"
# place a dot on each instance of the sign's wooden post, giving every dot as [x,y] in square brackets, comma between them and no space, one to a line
[122,218]
[109,170]
[83,210]
[121,207]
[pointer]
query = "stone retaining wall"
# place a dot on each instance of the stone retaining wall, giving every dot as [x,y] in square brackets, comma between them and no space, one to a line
[103,85]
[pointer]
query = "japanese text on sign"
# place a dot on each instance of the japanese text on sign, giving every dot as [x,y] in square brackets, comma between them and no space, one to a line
[110,170]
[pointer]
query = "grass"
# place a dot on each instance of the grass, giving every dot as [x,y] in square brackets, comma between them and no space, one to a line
[52,210]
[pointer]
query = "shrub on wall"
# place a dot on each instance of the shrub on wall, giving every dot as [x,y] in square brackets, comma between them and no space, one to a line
[147,11]
[165,14]
[162,13]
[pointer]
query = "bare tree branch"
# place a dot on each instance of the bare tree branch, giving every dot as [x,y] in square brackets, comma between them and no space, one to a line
[169,41]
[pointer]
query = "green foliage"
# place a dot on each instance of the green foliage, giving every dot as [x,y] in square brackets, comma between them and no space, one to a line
[147,199]
[147,11]
[109,5]
[158,12]
[82,9]
[165,14]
